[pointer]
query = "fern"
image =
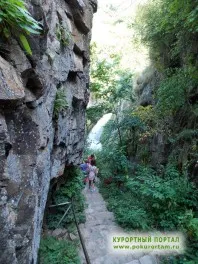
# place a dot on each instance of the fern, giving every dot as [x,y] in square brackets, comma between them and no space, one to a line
[16,21]
[63,35]
[60,103]
[53,251]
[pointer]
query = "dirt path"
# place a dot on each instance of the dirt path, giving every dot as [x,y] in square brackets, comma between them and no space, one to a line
[99,225]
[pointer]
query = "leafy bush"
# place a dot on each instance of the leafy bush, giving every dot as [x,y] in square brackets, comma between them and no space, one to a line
[127,211]
[167,34]
[172,191]
[109,82]
[146,199]
[149,201]
[53,251]
[174,91]
[154,195]
[102,73]
[171,39]
[16,21]
[112,159]
[60,103]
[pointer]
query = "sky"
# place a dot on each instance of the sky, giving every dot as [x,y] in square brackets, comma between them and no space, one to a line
[117,37]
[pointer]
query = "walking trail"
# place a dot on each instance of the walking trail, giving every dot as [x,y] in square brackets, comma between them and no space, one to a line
[99,225]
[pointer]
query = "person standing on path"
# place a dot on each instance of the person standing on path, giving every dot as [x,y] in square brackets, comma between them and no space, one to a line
[84,168]
[91,157]
[92,172]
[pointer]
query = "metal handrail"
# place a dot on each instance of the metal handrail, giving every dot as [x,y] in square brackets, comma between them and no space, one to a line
[61,204]
[80,236]
[56,205]
[64,216]
[78,229]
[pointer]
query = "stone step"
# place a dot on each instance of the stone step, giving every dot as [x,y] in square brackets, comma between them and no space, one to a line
[95,236]
[113,228]
[96,202]
[98,209]
[96,205]
[136,261]
[96,231]
[97,222]
[100,215]
[114,259]
[127,259]
[148,259]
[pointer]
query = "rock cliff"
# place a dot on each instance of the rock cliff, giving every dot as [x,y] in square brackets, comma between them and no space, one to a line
[145,86]
[36,144]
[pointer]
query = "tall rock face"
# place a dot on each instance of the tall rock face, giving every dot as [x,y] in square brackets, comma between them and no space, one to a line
[38,139]
[145,86]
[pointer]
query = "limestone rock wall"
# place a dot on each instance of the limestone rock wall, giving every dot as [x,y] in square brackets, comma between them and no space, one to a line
[145,86]
[35,145]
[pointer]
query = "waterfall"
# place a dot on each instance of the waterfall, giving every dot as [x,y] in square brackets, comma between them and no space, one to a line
[96,132]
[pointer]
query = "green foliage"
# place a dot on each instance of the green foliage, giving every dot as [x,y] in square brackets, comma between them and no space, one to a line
[142,198]
[150,201]
[16,21]
[104,72]
[73,183]
[146,200]
[145,113]
[122,87]
[151,124]
[112,160]
[125,208]
[60,103]
[109,136]
[110,85]
[167,33]
[174,91]
[108,81]
[171,39]
[187,134]
[72,188]
[173,192]
[63,35]
[190,257]
[129,132]
[53,251]
[179,260]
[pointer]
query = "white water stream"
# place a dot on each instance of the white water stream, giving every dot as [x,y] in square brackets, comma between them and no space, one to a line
[96,132]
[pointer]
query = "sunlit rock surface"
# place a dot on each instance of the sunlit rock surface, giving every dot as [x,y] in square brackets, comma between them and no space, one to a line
[11,87]
[34,145]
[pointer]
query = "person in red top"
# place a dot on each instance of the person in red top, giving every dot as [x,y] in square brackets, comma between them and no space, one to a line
[91,158]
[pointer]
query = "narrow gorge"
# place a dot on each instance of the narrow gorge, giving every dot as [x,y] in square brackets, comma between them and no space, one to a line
[98,132]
